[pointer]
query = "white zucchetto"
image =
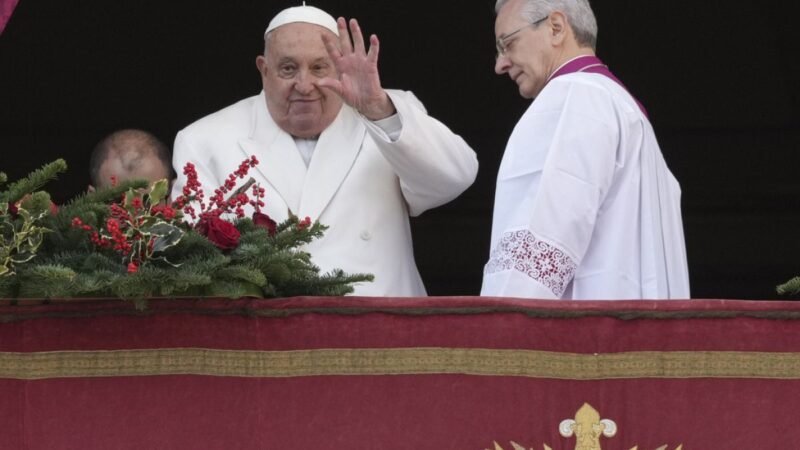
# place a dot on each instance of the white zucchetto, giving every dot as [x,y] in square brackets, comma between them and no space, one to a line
[307,14]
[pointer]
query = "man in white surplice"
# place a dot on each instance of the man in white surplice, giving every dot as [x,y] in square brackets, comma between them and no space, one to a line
[335,146]
[585,206]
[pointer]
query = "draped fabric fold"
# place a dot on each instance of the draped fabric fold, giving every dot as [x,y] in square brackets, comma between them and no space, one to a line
[6,8]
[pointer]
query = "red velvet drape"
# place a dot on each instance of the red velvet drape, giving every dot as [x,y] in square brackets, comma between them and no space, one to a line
[356,373]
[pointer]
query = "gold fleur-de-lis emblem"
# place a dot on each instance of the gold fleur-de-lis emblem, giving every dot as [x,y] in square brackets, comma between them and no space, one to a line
[587,427]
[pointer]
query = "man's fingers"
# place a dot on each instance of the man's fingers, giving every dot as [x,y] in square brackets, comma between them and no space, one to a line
[358,37]
[374,49]
[344,37]
[331,84]
[331,47]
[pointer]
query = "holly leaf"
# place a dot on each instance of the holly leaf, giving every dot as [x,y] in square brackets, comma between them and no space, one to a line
[158,191]
[167,235]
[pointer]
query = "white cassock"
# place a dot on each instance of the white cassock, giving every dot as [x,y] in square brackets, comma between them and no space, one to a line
[585,206]
[357,180]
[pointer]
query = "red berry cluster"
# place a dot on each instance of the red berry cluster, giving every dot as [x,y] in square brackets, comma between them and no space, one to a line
[118,212]
[117,239]
[13,209]
[192,191]
[95,236]
[122,233]
[165,211]
[258,195]
[305,223]
[218,204]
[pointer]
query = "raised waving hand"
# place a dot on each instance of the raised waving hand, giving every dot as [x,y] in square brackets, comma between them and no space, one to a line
[359,83]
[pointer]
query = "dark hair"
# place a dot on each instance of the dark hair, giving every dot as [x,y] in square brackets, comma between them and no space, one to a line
[117,142]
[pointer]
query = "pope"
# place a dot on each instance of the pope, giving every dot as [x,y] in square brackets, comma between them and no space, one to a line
[334,145]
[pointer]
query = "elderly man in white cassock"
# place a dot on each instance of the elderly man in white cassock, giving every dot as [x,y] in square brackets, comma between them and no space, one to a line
[585,206]
[335,146]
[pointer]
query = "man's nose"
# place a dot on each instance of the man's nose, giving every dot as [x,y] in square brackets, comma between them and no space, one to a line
[501,64]
[304,83]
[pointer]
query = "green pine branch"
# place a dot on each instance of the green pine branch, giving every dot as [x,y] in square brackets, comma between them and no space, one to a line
[791,287]
[33,181]
[46,281]
[9,287]
[107,195]
[334,283]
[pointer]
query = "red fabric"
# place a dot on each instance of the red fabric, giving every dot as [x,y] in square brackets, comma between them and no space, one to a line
[396,412]
[6,8]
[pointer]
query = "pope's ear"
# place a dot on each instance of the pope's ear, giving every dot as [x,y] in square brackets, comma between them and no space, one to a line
[261,63]
[90,189]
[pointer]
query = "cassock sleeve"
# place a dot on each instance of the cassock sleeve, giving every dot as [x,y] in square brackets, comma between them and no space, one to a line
[540,247]
[434,164]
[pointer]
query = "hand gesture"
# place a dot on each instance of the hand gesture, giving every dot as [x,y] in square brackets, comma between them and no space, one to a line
[359,83]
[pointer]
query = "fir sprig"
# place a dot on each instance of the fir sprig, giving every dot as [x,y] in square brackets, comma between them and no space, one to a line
[33,182]
[791,287]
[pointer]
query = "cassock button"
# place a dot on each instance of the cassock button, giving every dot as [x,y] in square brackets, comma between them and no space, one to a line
[366,235]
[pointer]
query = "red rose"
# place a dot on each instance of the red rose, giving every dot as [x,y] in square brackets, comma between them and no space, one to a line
[220,232]
[264,221]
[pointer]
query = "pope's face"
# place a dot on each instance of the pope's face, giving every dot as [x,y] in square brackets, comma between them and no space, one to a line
[295,60]
[529,58]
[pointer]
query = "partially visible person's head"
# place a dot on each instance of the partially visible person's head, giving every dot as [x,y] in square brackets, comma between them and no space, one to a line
[128,155]
[294,59]
[536,36]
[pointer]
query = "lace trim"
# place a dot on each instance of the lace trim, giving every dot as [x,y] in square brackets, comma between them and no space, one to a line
[521,251]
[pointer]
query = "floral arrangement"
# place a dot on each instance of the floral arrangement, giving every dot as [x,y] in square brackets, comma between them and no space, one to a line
[128,241]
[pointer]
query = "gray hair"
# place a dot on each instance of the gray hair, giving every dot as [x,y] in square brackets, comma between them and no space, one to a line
[266,41]
[579,15]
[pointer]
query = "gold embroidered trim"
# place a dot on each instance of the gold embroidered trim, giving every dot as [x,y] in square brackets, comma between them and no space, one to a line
[399,361]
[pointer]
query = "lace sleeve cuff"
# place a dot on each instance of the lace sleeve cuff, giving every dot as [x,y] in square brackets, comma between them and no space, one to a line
[543,262]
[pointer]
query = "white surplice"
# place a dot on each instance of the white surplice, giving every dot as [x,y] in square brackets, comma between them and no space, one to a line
[585,206]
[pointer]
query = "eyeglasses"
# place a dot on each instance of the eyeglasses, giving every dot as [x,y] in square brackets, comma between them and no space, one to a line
[502,42]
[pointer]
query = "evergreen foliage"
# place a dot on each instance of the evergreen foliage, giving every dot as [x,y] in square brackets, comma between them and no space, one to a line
[791,287]
[32,183]
[65,261]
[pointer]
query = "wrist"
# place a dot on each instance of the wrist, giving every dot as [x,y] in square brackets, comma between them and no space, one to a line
[381,109]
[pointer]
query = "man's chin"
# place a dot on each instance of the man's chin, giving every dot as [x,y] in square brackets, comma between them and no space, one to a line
[527,92]
[305,128]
